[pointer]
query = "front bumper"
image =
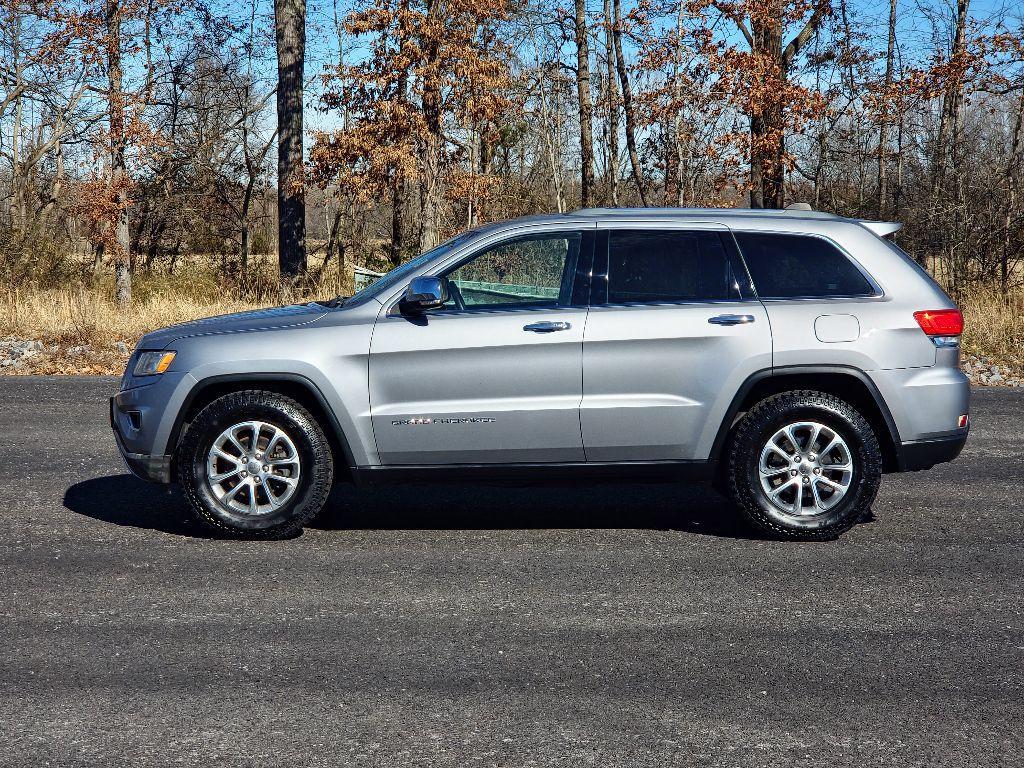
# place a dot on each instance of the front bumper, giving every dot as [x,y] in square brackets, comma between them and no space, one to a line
[925,454]
[153,469]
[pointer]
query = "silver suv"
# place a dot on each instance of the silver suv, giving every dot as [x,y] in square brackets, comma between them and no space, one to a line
[789,357]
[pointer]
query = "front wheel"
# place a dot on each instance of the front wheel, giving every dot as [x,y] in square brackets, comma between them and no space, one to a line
[804,465]
[256,464]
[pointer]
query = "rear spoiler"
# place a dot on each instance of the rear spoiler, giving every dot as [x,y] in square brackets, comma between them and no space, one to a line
[882,228]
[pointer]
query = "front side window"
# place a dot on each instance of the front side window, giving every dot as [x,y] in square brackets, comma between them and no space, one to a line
[401,272]
[799,266]
[655,266]
[520,273]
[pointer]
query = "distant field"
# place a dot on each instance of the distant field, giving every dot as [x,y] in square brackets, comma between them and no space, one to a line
[84,320]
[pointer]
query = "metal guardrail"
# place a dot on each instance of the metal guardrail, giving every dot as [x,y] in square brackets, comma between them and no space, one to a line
[364,277]
[509,290]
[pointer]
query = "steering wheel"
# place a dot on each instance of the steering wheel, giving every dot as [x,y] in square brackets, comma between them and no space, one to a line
[455,294]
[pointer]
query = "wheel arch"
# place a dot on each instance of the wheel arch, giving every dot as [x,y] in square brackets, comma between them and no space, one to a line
[848,383]
[293,385]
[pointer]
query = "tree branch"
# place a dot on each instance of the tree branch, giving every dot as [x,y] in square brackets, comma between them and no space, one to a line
[821,10]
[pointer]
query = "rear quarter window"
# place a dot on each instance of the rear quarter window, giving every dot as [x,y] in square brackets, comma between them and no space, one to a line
[800,266]
[911,262]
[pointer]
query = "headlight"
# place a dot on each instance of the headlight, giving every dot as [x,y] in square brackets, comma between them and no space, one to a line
[152,363]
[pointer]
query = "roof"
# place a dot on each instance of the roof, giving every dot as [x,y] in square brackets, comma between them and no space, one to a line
[723,215]
[718,213]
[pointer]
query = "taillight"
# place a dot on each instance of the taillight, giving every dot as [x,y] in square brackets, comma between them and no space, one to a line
[940,322]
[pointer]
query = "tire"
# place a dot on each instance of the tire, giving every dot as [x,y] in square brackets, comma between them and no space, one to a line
[250,498]
[836,488]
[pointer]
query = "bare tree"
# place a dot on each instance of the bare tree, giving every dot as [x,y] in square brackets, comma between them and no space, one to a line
[119,180]
[586,108]
[290,29]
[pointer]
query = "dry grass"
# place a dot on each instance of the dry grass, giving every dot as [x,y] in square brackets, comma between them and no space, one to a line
[85,315]
[994,324]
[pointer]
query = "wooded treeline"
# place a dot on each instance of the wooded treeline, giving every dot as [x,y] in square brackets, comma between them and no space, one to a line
[138,133]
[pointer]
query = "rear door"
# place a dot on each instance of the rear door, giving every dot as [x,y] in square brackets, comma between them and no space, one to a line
[493,376]
[673,332]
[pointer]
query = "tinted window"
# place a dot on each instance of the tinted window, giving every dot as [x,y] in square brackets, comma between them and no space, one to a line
[788,266]
[665,266]
[913,263]
[535,271]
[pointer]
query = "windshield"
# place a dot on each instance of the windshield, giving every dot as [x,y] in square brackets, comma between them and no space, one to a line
[401,272]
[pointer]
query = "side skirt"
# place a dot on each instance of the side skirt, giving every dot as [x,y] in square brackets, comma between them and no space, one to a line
[539,474]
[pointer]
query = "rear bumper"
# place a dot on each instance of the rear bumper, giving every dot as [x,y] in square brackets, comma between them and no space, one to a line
[153,469]
[925,454]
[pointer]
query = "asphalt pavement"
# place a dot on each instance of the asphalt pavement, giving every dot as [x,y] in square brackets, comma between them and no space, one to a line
[624,625]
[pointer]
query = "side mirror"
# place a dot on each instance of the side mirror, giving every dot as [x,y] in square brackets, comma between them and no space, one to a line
[424,293]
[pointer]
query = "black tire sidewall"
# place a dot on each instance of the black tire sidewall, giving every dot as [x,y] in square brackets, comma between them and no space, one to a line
[833,413]
[309,443]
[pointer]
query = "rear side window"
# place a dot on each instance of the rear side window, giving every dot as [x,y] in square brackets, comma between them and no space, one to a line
[797,266]
[668,266]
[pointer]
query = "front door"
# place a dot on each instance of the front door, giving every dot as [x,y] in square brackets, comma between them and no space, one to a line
[494,375]
[673,333]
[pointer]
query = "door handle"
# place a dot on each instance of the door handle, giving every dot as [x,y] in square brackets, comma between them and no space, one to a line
[731,319]
[548,326]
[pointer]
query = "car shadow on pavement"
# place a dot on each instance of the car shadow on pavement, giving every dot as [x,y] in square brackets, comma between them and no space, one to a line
[125,500]
[655,506]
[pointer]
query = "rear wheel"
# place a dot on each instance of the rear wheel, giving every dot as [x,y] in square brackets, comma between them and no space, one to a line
[804,465]
[255,463]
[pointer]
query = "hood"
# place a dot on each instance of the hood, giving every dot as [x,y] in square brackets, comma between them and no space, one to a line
[238,322]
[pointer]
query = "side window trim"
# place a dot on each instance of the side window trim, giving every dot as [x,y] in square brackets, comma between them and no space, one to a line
[877,291]
[602,266]
[580,286]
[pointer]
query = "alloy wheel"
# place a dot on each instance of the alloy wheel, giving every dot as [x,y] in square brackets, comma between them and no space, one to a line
[805,468]
[253,468]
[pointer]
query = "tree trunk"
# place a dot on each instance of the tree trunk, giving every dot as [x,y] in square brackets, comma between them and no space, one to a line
[243,220]
[17,182]
[951,99]
[671,195]
[767,127]
[883,118]
[613,104]
[677,118]
[334,242]
[627,104]
[430,183]
[400,190]
[774,171]
[397,224]
[586,107]
[243,247]
[433,143]
[768,123]
[756,163]
[118,170]
[290,28]
[486,164]
[550,127]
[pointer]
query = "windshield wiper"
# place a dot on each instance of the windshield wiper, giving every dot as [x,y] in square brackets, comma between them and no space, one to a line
[337,301]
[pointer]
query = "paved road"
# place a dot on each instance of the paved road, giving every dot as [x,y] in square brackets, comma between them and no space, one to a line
[622,626]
